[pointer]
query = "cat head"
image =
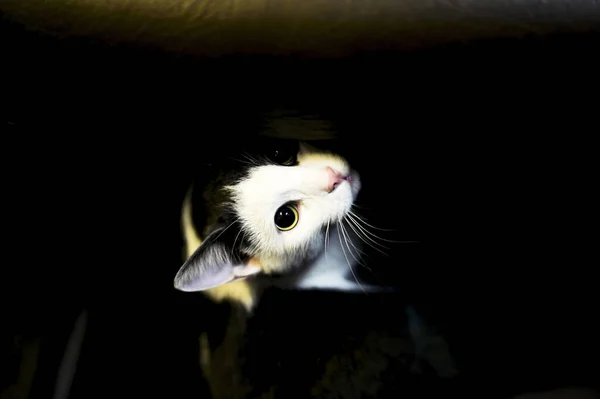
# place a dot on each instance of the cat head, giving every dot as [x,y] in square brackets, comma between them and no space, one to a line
[267,213]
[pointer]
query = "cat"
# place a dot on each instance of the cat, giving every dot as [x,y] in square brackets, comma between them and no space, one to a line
[273,215]
[280,212]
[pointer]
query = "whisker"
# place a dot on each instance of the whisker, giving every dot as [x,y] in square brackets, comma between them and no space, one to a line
[225,229]
[244,161]
[348,261]
[363,264]
[349,241]
[326,238]
[362,237]
[250,158]
[367,224]
[234,241]
[375,235]
[365,233]
[355,232]
[360,206]
[345,237]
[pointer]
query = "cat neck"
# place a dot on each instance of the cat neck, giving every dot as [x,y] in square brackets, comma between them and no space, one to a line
[334,269]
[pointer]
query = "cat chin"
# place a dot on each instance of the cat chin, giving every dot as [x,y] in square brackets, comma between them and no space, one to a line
[344,199]
[355,184]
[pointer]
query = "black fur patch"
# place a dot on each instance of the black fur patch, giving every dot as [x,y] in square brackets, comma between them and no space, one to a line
[210,202]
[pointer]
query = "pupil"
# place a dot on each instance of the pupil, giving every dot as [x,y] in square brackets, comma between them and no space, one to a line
[282,156]
[285,217]
[283,152]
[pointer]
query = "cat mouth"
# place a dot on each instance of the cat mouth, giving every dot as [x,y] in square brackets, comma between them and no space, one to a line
[353,180]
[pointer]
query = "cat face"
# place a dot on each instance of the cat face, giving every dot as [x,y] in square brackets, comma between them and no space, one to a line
[274,215]
[283,209]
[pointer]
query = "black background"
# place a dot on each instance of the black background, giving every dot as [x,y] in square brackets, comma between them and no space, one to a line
[483,148]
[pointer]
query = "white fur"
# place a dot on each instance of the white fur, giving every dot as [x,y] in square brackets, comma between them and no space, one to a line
[335,268]
[257,198]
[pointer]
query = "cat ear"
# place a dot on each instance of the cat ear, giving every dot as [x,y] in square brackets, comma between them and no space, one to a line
[213,264]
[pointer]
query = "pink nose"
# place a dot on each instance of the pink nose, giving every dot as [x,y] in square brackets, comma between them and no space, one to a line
[334,179]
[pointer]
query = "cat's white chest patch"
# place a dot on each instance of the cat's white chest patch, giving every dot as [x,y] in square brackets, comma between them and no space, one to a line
[334,269]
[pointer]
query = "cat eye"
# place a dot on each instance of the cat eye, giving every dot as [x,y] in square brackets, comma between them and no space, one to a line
[284,153]
[286,217]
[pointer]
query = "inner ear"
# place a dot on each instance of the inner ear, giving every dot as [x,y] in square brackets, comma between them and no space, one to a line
[213,264]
